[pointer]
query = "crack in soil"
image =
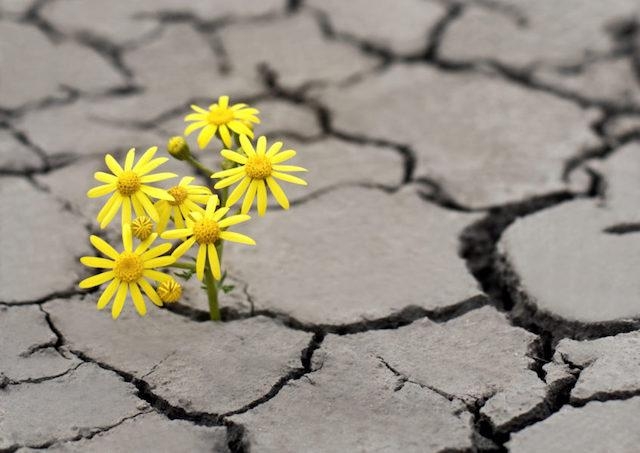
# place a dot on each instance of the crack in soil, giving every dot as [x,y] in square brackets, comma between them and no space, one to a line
[478,241]
[623,228]
[235,432]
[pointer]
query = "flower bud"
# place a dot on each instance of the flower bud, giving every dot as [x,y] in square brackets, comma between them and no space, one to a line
[142,227]
[178,147]
[169,291]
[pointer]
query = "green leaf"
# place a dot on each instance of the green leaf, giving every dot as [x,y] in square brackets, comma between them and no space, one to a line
[185,275]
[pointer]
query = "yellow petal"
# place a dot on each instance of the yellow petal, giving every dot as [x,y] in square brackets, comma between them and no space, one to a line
[150,292]
[159,262]
[156,192]
[212,203]
[137,206]
[214,262]
[278,193]
[261,146]
[118,303]
[126,211]
[150,166]
[100,191]
[205,136]
[157,177]
[145,158]
[289,178]
[95,262]
[195,117]
[105,177]
[284,155]
[200,261]
[186,180]
[113,210]
[229,172]
[220,213]
[288,168]
[226,182]
[96,280]
[262,198]
[183,248]
[195,126]
[138,301]
[198,109]
[127,239]
[128,161]
[223,102]
[236,237]
[144,245]
[155,275]
[147,205]
[273,149]
[177,234]
[236,193]
[225,135]
[156,251]
[233,220]
[247,147]
[107,206]
[113,165]
[234,156]
[248,198]
[108,293]
[103,247]
[178,215]
[240,128]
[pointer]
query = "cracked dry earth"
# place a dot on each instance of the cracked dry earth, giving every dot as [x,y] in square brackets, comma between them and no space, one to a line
[460,275]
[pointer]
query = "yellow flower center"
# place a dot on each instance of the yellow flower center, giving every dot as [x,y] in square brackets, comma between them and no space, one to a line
[129,267]
[128,183]
[258,167]
[220,116]
[206,231]
[179,193]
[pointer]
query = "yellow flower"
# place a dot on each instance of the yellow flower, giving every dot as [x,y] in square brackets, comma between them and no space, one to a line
[170,291]
[185,196]
[220,117]
[142,227]
[127,271]
[206,228]
[258,169]
[129,187]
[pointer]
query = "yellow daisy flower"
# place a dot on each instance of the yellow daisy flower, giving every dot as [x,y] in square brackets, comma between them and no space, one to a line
[185,199]
[206,228]
[258,169]
[130,188]
[221,118]
[127,271]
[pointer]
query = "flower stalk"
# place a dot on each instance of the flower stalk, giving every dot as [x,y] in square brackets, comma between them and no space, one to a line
[212,294]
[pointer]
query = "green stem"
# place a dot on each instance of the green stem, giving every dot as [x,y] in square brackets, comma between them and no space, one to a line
[198,166]
[212,294]
[224,194]
[183,265]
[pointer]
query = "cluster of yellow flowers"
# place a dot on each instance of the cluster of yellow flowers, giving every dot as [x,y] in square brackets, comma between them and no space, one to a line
[198,214]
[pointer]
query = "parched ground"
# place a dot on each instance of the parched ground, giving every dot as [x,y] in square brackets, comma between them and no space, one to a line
[461,273]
